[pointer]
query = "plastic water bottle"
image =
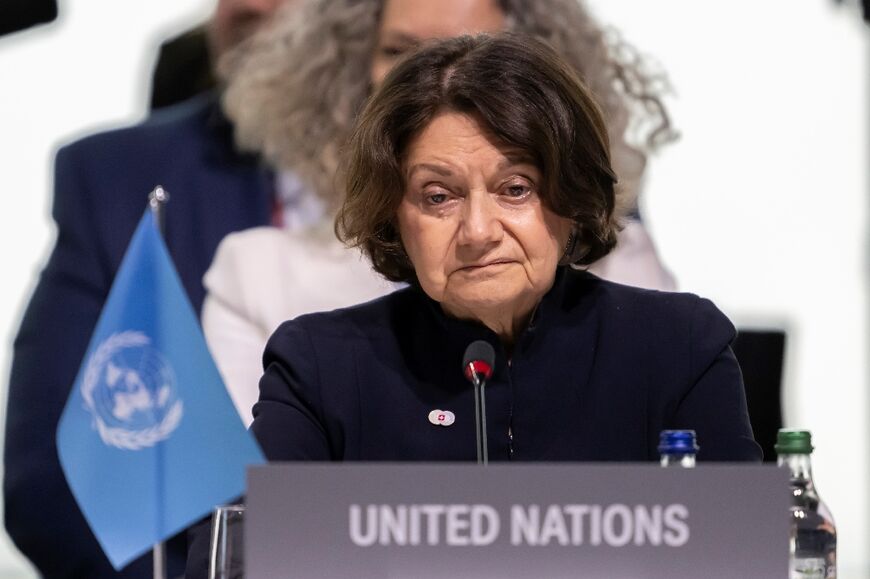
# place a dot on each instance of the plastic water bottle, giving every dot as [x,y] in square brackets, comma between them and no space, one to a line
[678,448]
[812,536]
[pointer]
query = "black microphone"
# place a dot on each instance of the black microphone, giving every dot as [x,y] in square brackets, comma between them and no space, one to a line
[477,366]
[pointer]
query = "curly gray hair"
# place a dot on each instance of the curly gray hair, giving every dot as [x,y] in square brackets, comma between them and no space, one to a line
[295,88]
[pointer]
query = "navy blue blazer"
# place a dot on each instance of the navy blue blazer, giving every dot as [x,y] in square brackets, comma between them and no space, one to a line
[101,188]
[599,372]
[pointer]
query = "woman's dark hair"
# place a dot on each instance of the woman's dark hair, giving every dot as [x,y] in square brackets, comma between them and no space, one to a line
[520,91]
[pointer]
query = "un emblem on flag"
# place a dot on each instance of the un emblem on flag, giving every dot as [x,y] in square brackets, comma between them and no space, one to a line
[129,389]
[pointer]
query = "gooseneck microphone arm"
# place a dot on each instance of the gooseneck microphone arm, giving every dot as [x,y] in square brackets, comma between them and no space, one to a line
[479,415]
[477,365]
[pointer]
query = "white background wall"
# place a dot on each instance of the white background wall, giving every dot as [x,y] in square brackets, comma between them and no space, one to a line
[761,206]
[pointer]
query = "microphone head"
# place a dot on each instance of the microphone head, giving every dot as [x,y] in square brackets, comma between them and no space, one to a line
[479,358]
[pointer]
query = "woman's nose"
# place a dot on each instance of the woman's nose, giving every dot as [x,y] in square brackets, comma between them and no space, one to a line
[480,224]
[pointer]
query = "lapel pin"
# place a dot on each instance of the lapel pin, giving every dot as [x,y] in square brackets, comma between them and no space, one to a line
[442,417]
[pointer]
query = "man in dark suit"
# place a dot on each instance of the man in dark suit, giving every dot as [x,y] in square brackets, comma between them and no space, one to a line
[101,187]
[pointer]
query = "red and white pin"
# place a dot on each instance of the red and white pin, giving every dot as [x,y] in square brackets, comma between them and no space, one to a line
[442,417]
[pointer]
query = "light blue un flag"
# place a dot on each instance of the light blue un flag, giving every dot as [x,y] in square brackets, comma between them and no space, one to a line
[149,439]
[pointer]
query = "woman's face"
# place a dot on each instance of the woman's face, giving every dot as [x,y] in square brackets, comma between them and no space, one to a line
[407,23]
[473,223]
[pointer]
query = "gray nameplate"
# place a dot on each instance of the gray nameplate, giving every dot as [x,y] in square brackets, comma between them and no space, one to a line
[521,521]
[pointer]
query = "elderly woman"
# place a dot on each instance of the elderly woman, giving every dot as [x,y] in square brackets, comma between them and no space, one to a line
[480,174]
[294,95]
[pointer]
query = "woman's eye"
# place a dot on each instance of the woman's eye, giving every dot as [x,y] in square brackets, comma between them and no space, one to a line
[395,50]
[391,51]
[436,198]
[517,190]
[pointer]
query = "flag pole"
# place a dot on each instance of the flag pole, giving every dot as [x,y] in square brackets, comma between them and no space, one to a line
[160,560]
[156,201]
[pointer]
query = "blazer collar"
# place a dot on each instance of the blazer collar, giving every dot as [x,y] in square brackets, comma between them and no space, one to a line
[552,311]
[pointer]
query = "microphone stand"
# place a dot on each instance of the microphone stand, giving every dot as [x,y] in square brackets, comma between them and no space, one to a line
[479,415]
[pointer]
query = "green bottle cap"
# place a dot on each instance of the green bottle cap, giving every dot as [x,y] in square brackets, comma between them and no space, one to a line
[793,441]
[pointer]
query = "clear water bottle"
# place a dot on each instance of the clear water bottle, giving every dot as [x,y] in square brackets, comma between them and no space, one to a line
[678,448]
[812,536]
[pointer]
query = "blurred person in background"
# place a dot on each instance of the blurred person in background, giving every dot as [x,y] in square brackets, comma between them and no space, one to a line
[101,187]
[185,64]
[293,96]
[184,68]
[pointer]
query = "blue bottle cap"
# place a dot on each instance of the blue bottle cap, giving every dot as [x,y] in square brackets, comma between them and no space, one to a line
[678,442]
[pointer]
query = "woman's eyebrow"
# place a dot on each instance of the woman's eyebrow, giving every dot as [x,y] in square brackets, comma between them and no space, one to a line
[443,171]
[515,158]
[399,37]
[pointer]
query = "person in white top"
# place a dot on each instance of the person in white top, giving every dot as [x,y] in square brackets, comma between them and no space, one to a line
[264,276]
[293,94]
